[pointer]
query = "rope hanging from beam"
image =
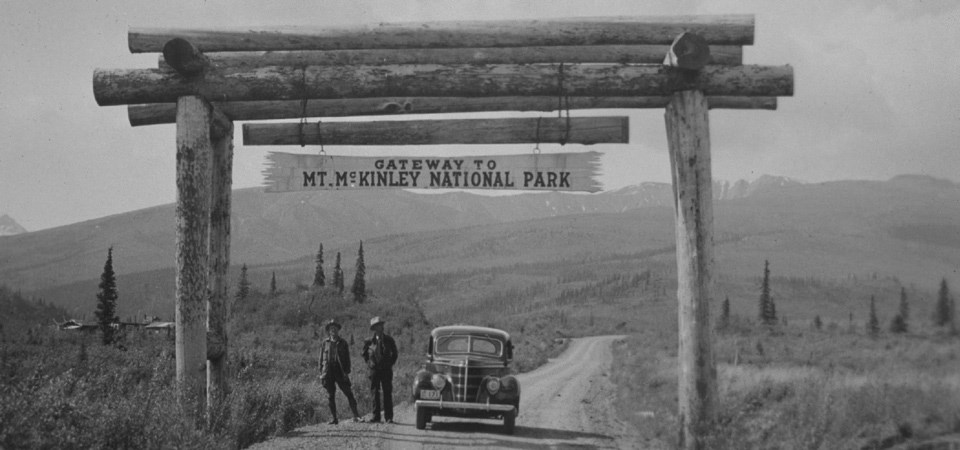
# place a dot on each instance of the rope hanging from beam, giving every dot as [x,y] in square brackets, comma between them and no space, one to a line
[561,96]
[303,104]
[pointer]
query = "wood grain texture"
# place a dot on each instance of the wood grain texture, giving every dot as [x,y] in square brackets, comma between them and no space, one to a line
[725,55]
[116,87]
[217,338]
[717,30]
[528,130]
[152,114]
[688,139]
[194,159]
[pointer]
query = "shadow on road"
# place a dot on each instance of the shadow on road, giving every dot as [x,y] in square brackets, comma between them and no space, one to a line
[462,435]
[519,431]
[473,434]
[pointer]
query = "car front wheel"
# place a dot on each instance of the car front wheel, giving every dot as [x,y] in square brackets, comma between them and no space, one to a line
[423,416]
[509,421]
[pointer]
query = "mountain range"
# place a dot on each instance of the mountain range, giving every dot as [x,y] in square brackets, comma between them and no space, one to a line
[907,227]
[10,227]
[269,228]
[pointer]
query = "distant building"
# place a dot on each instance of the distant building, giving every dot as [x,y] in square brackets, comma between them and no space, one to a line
[156,327]
[76,325]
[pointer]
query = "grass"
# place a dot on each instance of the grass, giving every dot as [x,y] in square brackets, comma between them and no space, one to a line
[66,390]
[794,388]
[797,388]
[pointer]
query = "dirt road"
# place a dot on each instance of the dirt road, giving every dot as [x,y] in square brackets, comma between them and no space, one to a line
[567,403]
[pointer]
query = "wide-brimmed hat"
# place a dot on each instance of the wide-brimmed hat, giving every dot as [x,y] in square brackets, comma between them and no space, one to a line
[332,323]
[376,321]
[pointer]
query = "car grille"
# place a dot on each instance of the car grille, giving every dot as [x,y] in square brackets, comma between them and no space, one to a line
[466,376]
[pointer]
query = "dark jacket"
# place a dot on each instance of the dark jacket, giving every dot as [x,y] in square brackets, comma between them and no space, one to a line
[334,354]
[380,354]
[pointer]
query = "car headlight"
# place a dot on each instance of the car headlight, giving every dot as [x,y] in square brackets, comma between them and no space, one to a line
[438,381]
[493,386]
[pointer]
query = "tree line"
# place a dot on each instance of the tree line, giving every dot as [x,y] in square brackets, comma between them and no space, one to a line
[358,289]
[944,315]
[107,295]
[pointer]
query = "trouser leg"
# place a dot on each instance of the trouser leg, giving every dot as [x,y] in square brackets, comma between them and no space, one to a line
[344,384]
[386,380]
[331,398]
[375,393]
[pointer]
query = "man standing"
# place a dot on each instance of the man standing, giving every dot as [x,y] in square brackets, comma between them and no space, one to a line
[380,353]
[335,370]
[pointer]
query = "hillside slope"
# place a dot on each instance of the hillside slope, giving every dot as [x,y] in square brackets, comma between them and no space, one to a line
[275,227]
[907,228]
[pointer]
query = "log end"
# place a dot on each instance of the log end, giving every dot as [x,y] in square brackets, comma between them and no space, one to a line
[688,51]
[186,59]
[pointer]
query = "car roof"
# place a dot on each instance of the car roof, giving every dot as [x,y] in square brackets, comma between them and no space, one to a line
[471,330]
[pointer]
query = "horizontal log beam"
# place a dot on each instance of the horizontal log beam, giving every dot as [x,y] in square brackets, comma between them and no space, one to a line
[162,113]
[126,86]
[575,130]
[725,55]
[717,30]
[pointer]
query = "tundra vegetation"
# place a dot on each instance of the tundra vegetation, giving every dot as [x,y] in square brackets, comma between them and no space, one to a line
[68,389]
[821,383]
[817,380]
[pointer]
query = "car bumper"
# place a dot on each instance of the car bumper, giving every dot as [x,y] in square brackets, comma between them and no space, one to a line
[439,404]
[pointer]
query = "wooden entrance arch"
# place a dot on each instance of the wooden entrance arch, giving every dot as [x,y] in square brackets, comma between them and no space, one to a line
[206,79]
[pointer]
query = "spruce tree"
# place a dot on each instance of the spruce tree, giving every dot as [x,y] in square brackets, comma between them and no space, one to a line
[338,276]
[273,284]
[899,322]
[943,314]
[107,301]
[768,311]
[725,313]
[319,279]
[359,288]
[898,325]
[904,306]
[243,286]
[873,326]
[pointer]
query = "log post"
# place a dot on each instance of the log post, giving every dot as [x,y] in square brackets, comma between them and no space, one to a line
[688,137]
[217,335]
[194,157]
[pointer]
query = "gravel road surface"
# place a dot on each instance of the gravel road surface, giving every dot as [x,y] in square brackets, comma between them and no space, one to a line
[567,403]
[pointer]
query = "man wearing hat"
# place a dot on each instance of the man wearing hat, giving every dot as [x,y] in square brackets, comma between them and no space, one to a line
[335,369]
[380,353]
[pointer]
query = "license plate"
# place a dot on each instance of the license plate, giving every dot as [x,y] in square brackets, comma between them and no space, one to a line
[428,394]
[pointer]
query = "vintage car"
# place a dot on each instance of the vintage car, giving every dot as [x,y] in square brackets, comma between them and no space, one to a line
[466,375]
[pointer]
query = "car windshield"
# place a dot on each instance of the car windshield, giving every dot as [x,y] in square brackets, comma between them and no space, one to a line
[468,344]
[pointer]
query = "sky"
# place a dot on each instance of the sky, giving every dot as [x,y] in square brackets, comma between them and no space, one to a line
[876,94]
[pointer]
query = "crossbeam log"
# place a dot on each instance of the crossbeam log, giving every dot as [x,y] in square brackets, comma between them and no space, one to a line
[161,113]
[125,86]
[716,29]
[725,55]
[575,130]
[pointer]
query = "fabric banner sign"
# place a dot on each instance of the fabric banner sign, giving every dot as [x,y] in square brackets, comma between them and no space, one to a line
[287,172]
